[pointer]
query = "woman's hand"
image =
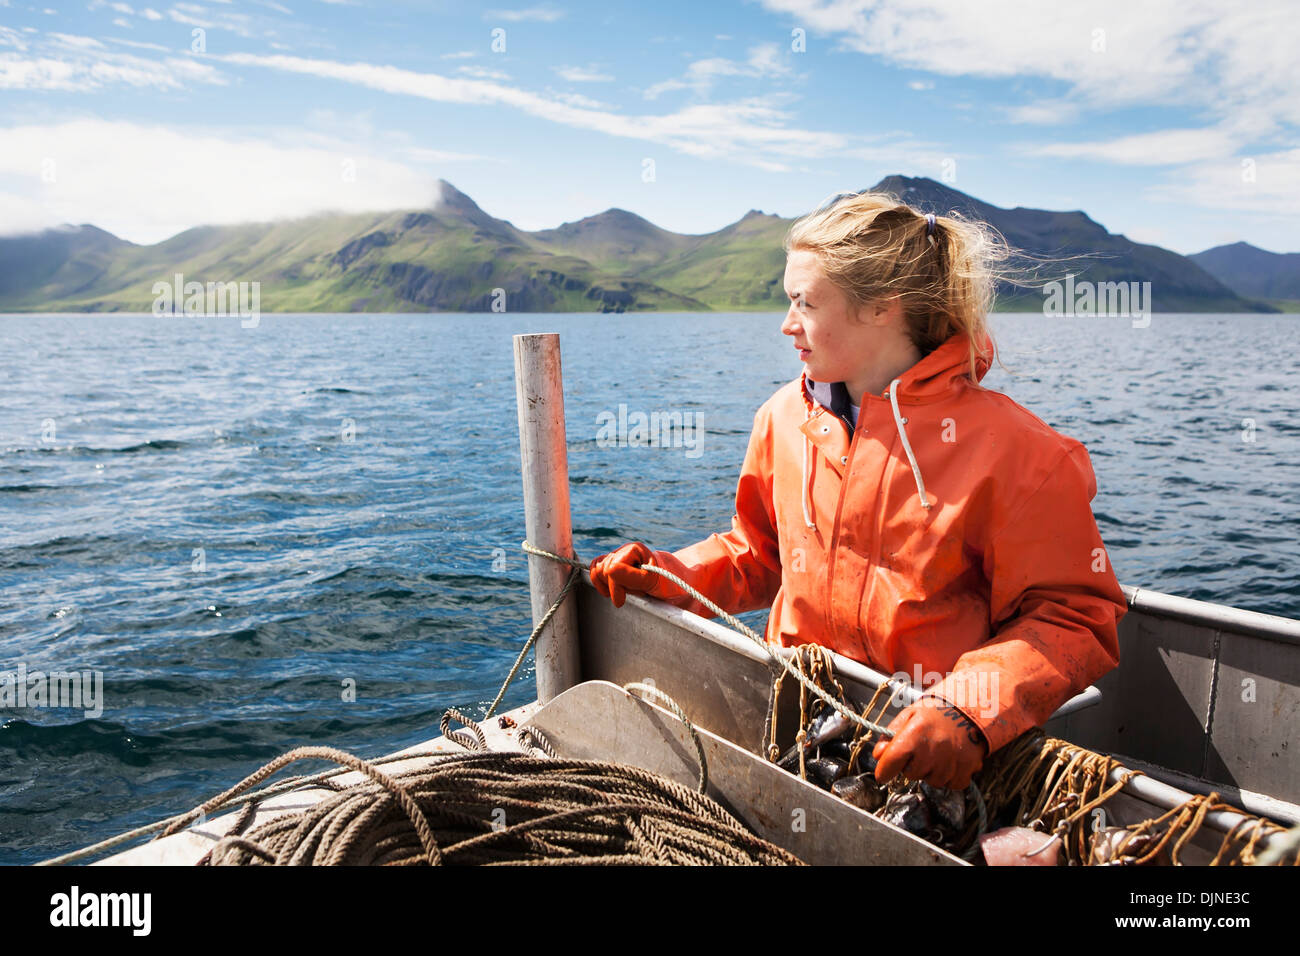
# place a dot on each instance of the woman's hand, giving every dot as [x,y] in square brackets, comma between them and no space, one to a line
[934,742]
[618,572]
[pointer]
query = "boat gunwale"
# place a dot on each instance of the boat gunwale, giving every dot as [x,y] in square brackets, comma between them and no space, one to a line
[1220,617]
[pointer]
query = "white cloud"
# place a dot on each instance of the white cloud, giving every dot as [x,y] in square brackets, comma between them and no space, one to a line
[483,73]
[544,14]
[740,130]
[81,74]
[1267,184]
[147,12]
[765,59]
[1173,147]
[140,44]
[577,99]
[1229,64]
[11,37]
[1216,55]
[1042,113]
[22,214]
[902,152]
[184,13]
[145,183]
[195,15]
[578,74]
[78,42]
[72,63]
[327,128]
[421,154]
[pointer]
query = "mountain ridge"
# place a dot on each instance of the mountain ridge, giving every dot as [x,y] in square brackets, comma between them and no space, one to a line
[453,256]
[1253,272]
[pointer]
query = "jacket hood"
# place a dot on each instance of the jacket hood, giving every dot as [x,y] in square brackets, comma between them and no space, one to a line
[937,375]
[932,377]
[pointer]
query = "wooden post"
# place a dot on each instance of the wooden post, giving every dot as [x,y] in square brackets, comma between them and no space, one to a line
[539,390]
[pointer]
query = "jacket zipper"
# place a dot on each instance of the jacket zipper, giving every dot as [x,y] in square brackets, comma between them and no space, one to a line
[835,528]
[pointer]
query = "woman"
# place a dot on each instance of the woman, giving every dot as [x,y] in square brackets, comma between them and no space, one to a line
[896,511]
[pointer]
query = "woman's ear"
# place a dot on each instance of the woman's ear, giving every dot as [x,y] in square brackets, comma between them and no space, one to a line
[883,312]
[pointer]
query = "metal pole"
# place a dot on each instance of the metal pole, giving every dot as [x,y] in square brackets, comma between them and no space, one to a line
[539,390]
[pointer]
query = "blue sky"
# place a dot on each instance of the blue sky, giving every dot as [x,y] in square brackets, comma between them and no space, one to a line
[1171,122]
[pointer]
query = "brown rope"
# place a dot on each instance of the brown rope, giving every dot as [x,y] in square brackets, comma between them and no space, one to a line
[1035,781]
[493,808]
[1056,786]
[810,664]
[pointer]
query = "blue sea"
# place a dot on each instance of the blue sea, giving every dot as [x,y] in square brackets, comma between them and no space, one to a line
[241,527]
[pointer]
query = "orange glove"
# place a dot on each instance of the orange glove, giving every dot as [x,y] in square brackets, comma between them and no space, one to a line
[618,572]
[934,742]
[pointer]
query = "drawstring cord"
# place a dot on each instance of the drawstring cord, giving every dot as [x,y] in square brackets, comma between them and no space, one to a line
[900,421]
[807,514]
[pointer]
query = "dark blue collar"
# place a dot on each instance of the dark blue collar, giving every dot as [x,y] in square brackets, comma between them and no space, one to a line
[835,396]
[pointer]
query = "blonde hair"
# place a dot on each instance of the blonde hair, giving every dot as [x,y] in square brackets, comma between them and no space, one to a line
[874,247]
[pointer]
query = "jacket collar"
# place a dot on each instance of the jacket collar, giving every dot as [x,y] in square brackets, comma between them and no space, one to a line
[934,376]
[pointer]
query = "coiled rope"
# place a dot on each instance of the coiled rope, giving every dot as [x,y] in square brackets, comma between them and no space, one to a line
[180,821]
[490,808]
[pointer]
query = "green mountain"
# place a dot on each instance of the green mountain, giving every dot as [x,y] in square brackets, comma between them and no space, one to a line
[56,263]
[1254,272]
[455,257]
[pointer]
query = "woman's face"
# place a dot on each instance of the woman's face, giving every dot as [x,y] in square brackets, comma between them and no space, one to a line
[833,336]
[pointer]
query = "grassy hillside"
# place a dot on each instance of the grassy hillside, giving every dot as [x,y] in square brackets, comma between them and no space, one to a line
[454,256]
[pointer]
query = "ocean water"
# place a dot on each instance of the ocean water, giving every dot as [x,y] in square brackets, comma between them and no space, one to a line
[244,529]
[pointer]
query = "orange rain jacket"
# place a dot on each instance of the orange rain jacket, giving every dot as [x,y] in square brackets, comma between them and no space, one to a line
[999,596]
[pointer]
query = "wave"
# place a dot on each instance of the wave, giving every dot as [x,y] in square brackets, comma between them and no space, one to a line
[153,444]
